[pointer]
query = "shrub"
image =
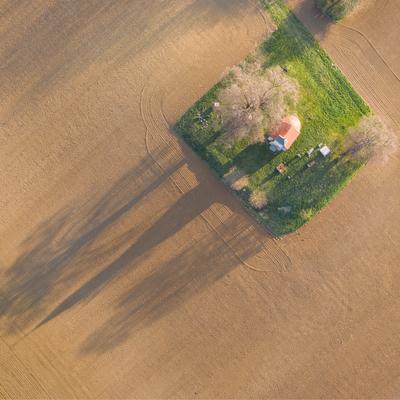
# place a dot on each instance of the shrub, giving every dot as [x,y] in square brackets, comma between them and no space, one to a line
[336,9]
[258,199]
[236,179]
[306,214]
[241,183]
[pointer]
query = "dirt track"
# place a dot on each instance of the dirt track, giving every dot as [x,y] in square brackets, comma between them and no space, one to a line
[127,270]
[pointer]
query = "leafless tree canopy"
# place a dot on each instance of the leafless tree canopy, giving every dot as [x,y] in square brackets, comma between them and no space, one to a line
[256,101]
[371,140]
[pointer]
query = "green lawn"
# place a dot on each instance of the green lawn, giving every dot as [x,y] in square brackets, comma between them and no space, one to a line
[328,107]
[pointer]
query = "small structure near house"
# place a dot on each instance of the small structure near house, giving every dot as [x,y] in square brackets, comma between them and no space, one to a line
[311,164]
[286,134]
[325,151]
[281,168]
[310,151]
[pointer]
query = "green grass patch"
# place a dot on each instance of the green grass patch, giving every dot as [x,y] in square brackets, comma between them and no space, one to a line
[328,107]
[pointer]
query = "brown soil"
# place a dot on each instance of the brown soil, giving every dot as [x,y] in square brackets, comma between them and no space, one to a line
[127,269]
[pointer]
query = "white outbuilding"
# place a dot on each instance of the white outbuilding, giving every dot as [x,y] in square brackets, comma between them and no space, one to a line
[325,151]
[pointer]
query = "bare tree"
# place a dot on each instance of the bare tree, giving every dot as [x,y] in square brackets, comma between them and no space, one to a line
[370,140]
[256,100]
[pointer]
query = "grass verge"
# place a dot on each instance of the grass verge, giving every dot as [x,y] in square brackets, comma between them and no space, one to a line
[328,107]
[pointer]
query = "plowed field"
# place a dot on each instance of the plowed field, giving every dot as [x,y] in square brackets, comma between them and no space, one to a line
[127,270]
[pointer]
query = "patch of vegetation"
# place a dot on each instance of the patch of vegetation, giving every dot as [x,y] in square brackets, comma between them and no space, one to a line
[258,199]
[256,100]
[327,106]
[336,9]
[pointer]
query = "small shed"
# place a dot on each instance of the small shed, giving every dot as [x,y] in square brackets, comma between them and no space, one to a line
[325,151]
[281,168]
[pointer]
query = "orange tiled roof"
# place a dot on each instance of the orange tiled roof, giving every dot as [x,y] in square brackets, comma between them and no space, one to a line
[287,132]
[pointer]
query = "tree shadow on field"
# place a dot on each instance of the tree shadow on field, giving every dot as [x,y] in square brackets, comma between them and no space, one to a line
[62,248]
[313,19]
[170,285]
[175,281]
[190,205]
[98,242]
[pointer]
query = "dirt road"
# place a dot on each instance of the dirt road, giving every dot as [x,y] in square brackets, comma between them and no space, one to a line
[127,269]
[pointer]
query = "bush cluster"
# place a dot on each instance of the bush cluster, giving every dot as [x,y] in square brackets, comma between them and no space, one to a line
[336,9]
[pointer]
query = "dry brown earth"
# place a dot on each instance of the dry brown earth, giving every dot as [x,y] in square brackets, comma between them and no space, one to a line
[127,269]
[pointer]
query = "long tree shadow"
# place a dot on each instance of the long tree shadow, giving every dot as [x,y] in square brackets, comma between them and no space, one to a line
[181,213]
[58,247]
[171,284]
[64,250]
[71,247]
[313,19]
